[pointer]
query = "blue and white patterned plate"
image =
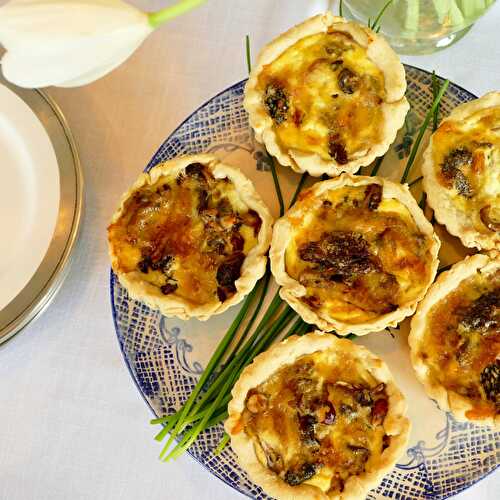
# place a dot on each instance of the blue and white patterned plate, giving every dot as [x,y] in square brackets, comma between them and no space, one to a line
[165,356]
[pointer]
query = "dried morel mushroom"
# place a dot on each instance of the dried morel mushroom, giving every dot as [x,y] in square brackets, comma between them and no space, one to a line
[490,380]
[276,103]
[453,168]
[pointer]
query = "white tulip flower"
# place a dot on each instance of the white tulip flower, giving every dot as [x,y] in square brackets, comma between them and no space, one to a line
[68,43]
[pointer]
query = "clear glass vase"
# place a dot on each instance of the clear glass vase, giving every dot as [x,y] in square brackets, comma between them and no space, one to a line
[419,26]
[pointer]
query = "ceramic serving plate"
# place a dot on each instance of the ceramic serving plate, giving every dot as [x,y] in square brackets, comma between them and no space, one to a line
[29,194]
[41,198]
[165,356]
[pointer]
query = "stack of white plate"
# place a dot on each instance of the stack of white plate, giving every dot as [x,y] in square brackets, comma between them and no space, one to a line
[40,204]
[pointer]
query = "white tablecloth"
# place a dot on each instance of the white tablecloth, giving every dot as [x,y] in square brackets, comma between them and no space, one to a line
[72,424]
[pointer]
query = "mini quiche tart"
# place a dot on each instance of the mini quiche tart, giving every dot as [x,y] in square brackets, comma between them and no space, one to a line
[461,171]
[190,237]
[455,340]
[317,417]
[327,96]
[355,254]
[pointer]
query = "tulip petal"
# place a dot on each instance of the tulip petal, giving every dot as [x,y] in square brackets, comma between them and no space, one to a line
[97,73]
[48,66]
[67,47]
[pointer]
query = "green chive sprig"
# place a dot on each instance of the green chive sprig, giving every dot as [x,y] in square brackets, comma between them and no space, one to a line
[415,181]
[375,26]
[376,166]
[247,52]
[423,128]
[435,92]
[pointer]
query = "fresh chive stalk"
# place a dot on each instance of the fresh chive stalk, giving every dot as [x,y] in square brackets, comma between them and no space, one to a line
[235,361]
[297,328]
[277,186]
[300,185]
[415,181]
[247,51]
[376,23]
[300,327]
[435,90]
[222,444]
[271,160]
[256,311]
[442,269]
[226,370]
[423,128]
[229,378]
[423,201]
[341,5]
[376,167]
[212,364]
[191,435]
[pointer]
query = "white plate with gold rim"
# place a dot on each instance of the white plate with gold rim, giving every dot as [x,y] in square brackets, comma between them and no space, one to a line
[41,196]
[29,194]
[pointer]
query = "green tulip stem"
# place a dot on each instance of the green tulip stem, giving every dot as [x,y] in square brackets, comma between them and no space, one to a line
[158,18]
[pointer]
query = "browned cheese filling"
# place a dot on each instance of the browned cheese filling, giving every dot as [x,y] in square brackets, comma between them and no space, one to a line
[359,255]
[318,422]
[324,95]
[461,345]
[187,235]
[467,159]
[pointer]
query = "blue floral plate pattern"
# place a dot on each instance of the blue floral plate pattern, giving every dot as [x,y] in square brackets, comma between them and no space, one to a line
[165,356]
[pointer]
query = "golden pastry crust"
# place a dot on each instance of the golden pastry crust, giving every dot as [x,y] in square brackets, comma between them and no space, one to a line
[395,424]
[393,106]
[295,220]
[462,407]
[461,132]
[252,267]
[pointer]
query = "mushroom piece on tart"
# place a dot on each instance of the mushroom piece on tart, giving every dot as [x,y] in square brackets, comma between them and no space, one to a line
[190,237]
[461,171]
[355,254]
[327,96]
[455,340]
[317,417]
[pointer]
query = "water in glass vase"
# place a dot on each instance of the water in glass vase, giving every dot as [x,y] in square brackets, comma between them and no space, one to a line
[419,26]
